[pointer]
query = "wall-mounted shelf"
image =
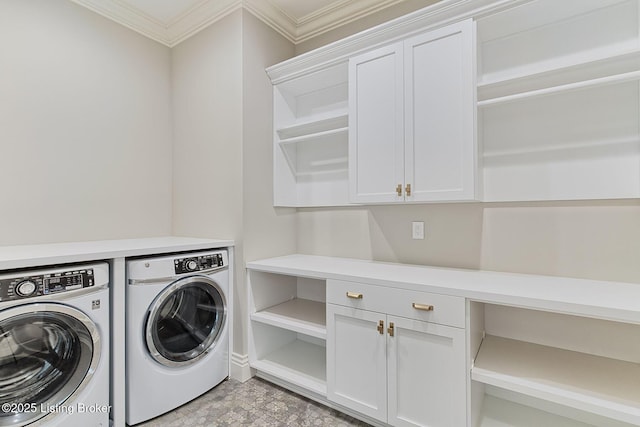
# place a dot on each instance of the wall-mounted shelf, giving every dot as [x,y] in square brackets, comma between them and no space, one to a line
[335,122]
[559,103]
[310,139]
[559,73]
[602,81]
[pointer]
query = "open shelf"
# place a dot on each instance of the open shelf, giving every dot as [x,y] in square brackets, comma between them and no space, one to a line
[566,145]
[336,122]
[599,385]
[300,362]
[602,81]
[559,74]
[298,315]
[498,412]
[310,139]
[540,36]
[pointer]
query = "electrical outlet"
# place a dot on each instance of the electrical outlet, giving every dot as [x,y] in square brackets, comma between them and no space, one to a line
[417,230]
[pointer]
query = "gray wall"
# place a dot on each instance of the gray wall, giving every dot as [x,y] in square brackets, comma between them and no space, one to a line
[598,240]
[222,113]
[85,127]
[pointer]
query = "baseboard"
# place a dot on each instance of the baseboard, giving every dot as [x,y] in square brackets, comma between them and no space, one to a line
[240,369]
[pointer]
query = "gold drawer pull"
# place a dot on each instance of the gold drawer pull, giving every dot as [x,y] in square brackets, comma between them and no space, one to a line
[424,307]
[354,295]
[399,190]
[381,327]
[391,329]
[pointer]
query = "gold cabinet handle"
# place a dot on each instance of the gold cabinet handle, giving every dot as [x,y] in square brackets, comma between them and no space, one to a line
[407,189]
[424,307]
[381,327]
[391,329]
[399,190]
[354,295]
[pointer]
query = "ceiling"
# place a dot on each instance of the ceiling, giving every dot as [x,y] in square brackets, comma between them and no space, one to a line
[172,21]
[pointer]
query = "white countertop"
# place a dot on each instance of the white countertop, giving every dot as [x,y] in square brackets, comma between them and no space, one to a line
[600,299]
[60,253]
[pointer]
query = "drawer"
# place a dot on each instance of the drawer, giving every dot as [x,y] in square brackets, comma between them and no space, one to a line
[426,306]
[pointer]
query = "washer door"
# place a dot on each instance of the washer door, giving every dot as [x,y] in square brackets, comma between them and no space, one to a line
[185,320]
[48,354]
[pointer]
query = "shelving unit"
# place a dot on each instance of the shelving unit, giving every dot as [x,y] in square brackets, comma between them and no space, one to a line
[596,384]
[558,103]
[299,315]
[579,368]
[287,331]
[310,139]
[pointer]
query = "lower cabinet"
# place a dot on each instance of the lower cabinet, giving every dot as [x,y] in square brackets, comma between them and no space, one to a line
[398,370]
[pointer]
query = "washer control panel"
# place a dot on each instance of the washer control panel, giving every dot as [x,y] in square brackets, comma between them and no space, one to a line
[27,286]
[198,263]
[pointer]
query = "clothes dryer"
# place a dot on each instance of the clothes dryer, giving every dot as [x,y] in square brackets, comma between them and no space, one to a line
[177,344]
[54,347]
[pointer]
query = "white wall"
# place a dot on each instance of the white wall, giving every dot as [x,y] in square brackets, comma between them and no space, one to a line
[597,240]
[207,138]
[268,231]
[222,113]
[85,127]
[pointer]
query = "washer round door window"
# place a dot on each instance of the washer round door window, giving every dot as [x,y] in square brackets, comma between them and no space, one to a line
[185,320]
[48,352]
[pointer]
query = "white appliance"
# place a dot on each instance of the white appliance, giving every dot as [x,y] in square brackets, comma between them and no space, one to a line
[54,346]
[178,320]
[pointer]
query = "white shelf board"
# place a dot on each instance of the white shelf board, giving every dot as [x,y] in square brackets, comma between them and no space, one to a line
[561,147]
[314,136]
[498,412]
[300,363]
[604,58]
[339,119]
[601,81]
[298,315]
[599,385]
[555,73]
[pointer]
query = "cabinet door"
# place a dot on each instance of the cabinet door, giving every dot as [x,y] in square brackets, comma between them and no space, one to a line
[440,149]
[426,373]
[356,360]
[376,128]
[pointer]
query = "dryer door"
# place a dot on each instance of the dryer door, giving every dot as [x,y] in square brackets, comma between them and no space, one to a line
[48,354]
[185,320]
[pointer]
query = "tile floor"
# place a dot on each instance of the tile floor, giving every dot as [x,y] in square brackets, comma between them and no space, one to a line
[253,403]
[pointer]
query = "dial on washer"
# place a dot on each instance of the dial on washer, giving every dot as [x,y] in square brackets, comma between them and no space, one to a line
[26,288]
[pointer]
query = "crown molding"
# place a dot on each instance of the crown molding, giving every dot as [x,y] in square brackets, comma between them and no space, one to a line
[274,17]
[206,12]
[193,20]
[437,15]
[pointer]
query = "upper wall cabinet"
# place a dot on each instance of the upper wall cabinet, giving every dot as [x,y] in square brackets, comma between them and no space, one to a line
[411,128]
[558,100]
[310,138]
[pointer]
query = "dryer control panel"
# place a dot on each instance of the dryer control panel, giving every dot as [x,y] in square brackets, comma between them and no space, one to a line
[35,285]
[198,263]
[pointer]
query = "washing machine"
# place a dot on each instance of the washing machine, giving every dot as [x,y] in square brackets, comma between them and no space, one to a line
[178,322]
[54,346]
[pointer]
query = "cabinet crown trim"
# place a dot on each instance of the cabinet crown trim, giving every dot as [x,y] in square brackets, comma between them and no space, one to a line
[437,15]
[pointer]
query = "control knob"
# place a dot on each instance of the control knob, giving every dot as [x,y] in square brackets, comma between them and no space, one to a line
[192,265]
[26,288]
